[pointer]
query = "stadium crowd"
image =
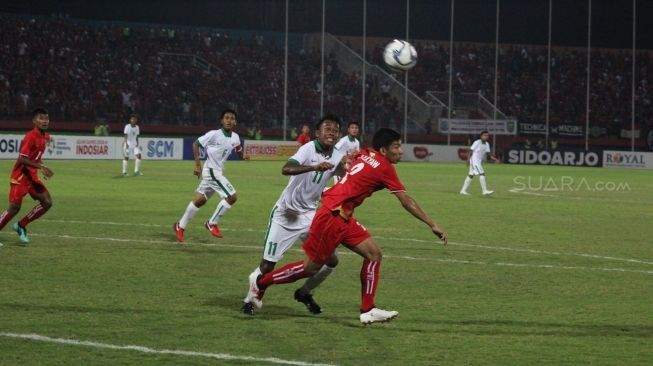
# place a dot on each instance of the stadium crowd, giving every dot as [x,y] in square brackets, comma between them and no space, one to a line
[97,71]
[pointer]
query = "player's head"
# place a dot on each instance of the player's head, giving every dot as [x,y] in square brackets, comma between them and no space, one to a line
[228,119]
[353,128]
[485,135]
[388,143]
[327,130]
[133,120]
[40,118]
[306,129]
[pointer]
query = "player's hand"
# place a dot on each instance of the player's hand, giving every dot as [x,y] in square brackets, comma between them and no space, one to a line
[198,171]
[441,234]
[325,165]
[47,173]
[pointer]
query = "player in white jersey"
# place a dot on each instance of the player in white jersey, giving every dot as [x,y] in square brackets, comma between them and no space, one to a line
[477,152]
[310,169]
[130,146]
[217,145]
[349,144]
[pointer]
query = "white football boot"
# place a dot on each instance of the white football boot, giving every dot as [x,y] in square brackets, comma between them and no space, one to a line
[254,294]
[376,315]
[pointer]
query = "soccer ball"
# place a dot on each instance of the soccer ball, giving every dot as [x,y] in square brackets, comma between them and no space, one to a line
[400,55]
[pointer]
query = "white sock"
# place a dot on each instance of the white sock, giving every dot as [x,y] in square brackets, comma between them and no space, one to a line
[468,181]
[315,280]
[191,210]
[258,272]
[221,210]
[124,166]
[137,166]
[483,183]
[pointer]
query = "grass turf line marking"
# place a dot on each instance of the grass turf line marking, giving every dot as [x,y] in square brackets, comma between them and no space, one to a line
[521,250]
[218,356]
[455,261]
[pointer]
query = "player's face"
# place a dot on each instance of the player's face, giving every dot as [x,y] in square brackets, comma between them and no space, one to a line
[353,130]
[305,129]
[394,152]
[328,133]
[485,137]
[229,121]
[41,121]
[132,121]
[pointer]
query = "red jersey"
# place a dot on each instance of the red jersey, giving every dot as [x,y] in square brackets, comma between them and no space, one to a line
[303,139]
[370,172]
[32,147]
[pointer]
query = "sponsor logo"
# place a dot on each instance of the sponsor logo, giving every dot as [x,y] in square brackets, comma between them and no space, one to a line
[9,145]
[160,149]
[92,147]
[421,152]
[463,154]
[573,158]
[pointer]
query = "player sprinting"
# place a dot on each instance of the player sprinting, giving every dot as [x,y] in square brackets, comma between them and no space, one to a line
[334,224]
[25,178]
[310,169]
[217,145]
[130,145]
[349,144]
[477,152]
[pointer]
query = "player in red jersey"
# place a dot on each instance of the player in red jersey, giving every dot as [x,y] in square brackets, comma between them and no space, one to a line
[305,135]
[25,177]
[334,224]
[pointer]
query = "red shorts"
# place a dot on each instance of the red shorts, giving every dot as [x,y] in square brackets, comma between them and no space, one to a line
[18,191]
[328,230]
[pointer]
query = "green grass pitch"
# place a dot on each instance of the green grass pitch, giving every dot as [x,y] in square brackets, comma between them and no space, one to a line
[558,272]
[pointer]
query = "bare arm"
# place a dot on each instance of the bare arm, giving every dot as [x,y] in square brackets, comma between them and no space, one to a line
[196,154]
[47,173]
[293,168]
[413,207]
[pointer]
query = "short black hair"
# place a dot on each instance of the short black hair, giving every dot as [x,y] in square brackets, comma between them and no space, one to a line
[354,123]
[38,111]
[328,117]
[228,110]
[384,138]
[484,132]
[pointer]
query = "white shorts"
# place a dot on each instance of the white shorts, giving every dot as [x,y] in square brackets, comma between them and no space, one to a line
[213,181]
[135,150]
[284,228]
[476,169]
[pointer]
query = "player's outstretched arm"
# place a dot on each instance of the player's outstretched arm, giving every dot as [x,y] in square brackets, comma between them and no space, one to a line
[413,207]
[293,168]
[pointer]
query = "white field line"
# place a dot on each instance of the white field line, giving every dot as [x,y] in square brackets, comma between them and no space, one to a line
[217,356]
[434,241]
[404,257]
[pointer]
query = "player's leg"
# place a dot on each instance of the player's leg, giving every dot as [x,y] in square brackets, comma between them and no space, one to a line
[229,198]
[137,161]
[203,193]
[468,180]
[125,160]
[359,241]
[16,194]
[481,178]
[304,295]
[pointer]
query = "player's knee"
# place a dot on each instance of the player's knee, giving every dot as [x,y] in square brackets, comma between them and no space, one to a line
[46,204]
[375,255]
[232,199]
[471,177]
[332,262]
[266,266]
[14,208]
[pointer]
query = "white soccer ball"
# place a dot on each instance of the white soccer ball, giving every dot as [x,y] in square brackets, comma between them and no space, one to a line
[400,55]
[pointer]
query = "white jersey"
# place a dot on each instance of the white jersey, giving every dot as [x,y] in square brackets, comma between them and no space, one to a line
[218,145]
[479,150]
[348,144]
[132,133]
[304,190]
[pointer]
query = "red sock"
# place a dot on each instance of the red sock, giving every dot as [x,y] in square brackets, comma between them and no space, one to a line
[5,217]
[36,212]
[369,281]
[286,274]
